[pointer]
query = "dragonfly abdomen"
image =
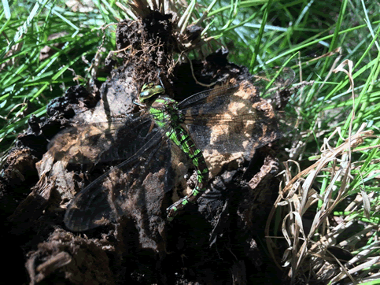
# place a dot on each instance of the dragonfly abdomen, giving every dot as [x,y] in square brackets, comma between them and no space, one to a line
[182,139]
[165,113]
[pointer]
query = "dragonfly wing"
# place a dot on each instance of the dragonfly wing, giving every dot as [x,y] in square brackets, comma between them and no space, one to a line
[275,86]
[271,81]
[230,120]
[128,189]
[100,142]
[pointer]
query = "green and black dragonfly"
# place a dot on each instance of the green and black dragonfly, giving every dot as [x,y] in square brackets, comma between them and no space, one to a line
[227,121]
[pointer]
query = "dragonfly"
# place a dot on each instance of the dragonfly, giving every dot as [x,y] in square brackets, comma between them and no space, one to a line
[230,121]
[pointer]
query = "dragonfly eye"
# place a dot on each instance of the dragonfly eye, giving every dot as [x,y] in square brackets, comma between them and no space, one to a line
[149,90]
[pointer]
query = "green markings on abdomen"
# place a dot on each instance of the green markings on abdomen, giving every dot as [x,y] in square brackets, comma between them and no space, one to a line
[165,112]
[183,140]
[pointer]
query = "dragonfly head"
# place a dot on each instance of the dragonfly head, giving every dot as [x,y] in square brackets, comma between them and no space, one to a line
[149,90]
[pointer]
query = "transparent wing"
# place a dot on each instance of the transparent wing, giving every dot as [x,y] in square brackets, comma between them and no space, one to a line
[234,118]
[275,85]
[130,188]
[230,119]
[107,141]
[274,79]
